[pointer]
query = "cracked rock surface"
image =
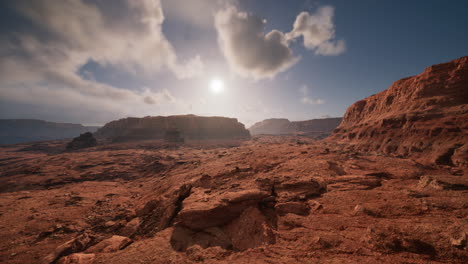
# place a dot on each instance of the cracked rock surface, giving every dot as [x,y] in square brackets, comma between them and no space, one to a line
[267,200]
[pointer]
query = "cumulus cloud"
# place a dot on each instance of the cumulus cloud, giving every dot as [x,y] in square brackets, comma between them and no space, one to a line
[318,32]
[248,51]
[42,65]
[251,53]
[195,12]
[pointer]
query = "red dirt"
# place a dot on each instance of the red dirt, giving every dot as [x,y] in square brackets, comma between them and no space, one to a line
[268,200]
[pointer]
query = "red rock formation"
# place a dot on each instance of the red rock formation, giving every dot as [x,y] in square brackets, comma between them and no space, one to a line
[424,116]
[276,126]
[190,127]
[316,125]
[271,126]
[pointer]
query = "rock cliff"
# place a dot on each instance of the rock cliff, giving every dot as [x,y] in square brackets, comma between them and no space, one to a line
[190,127]
[272,126]
[424,116]
[277,126]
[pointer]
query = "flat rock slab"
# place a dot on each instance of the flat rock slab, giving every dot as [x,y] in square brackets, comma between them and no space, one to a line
[111,244]
[201,210]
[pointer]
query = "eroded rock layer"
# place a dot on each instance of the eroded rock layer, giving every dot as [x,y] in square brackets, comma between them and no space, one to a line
[190,127]
[424,116]
[275,126]
[269,200]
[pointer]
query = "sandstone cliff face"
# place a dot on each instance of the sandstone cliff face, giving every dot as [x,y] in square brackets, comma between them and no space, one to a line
[277,126]
[190,127]
[424,116]
[273,126]
[316,125]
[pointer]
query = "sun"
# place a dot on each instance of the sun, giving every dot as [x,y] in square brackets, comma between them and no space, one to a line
[216,85]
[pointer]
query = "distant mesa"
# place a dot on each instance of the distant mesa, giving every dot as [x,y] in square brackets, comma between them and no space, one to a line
[14,131]
[190,127]
[279,126]
[173,135]
[424,116]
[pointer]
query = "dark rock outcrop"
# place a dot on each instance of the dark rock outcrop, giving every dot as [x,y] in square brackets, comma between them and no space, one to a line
[424,116]
[276,126]
[85,140]
[14,131]
[156,127]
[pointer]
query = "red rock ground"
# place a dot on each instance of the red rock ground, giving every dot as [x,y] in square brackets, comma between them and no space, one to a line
[267,200]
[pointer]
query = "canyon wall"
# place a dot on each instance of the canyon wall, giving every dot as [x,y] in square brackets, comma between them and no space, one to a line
[190,127]
[424,116]
[277,126]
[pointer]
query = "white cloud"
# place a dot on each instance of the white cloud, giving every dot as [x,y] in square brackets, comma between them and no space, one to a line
[195,12]
[311,101]
[247,50]
[251,53]
[304,91]
[70,33]
[318,32]
[40,66]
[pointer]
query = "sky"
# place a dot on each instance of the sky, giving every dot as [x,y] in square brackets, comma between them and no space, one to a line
[94,61]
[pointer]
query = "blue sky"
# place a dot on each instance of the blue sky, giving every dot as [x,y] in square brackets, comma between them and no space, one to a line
[94,61]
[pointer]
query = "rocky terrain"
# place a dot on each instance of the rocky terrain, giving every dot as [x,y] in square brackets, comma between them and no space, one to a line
[190,127]
[370,193]
[424,116]
[272,199]
[279,126]
[14,131]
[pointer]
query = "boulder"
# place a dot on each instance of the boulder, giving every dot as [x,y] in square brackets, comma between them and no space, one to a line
[459,240]
[231,220]
[85,140]
[77,244]
[201,210]
[112,244]
[130,228]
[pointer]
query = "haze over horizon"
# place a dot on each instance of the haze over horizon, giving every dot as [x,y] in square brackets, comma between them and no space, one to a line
[91,62]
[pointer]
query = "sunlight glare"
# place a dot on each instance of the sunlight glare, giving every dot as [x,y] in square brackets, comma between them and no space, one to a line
[216,85]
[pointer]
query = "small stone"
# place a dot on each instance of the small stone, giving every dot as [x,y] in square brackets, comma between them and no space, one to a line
[131,227]
[361,210]
[459,241]
[109,224]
